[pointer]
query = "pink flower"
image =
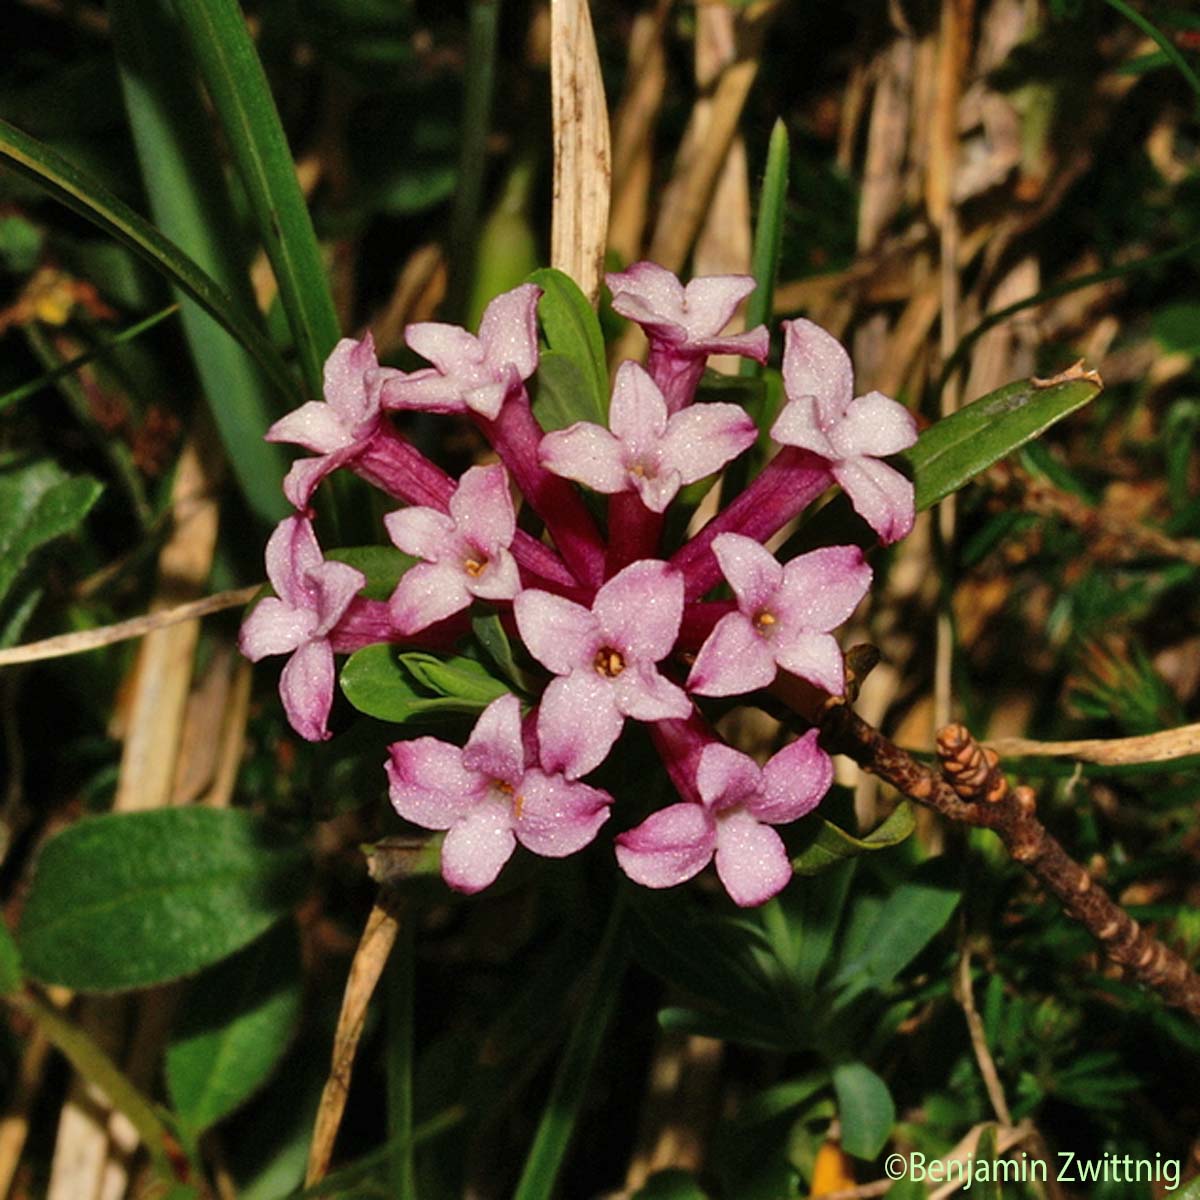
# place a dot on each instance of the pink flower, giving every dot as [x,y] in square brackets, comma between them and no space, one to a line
[488,799]
[339,427]
[739,804]
[823,415]
[605,659]
[471,373]
[647,450]
[311,595]
[684,323]
[466,553]
[783,620]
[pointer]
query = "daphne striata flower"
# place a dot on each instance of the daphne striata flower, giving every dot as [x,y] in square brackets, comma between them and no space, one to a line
[783,619]
[469,373]
[311,595]
[605,658]
[824,416]
[738,805]
[488,799]
[466,552]
[339,427]
[684,324]
[648,451]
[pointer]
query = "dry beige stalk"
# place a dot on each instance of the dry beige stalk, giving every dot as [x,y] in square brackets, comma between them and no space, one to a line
[1165,746]
[582,155]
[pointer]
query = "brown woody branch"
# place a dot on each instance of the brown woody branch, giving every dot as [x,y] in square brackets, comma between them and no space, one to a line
[971,789]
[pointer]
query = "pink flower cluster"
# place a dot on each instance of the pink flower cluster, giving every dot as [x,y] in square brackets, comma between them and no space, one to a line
[615,620]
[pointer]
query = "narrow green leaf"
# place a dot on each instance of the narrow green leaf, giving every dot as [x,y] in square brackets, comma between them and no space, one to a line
[401,1046]
[229,64]
[489,633]
[382,565]
[189,199]
[11,975]
[379,682]
[234,1026]
[461,678]
[1165,44]
[572,328]
[865,1108]
[38,503]
[127,900]
[561,395]
[92,201]
[986,1155]
[833,845]
[768,235]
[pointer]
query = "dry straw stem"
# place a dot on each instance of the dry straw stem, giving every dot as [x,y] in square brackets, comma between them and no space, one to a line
[582,156]
[983,1056]
[1109,752]
[376,944]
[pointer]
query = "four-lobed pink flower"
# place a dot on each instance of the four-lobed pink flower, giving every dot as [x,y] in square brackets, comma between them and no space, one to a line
[488,798]
[338,427]
[311,595]
[739,804]
[824,416]
[605,661]
[466,551]
[469,373]
[784,617]
[647,450]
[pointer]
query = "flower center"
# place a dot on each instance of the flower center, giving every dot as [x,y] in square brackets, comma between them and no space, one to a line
[763,621]
[518,801]
[608,662]
[475,566]
[643,470]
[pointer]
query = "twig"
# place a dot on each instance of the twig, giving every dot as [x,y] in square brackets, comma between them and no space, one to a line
[376,944]
[123,631]
[983,1055]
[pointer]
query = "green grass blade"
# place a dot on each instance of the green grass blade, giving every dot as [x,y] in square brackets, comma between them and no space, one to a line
[94,202]
[1165,44]
[400,982]
[567,1093]
[190,202]
[768,235]
[232,73]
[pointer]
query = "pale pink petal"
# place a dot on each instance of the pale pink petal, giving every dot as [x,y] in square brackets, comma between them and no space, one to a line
[499,580]
[751,860]
[725,777]
[508,330]
[794,781]
[734,659]
[274,628]
[822,588]
[419,531]
[588,454]
[292,552]
[881,496]
[301,481]
[752,570]
[875,425]
[559,633]
[348,386]
[754,343]
[640,608]
[577,723]
[815,364]
[306,689]
[427,593]
[449,347]
[427,390]
[495,748]
[702,438]
[477,847]
[483,510]
[813,656]
[486,399]
[554,818]
[799,424]
[711,300]
[650,295]
[335,585]
[658,490]
[638,412]
[428,783]
[315,426]
[669,846]
[642,693]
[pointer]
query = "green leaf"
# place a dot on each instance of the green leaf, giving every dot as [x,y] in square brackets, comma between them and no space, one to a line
[233,1028]
[383,684]
[572,328]
[561,395]
[986,1154]
[768,235]
[38,503]
[11,975]
[189,199]
[865,1108]
[489,633]
[461,678]
[671,1184]
[127,900]
[234,77]
[1177,327]
[833,845]
[95,203]
[382,565]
